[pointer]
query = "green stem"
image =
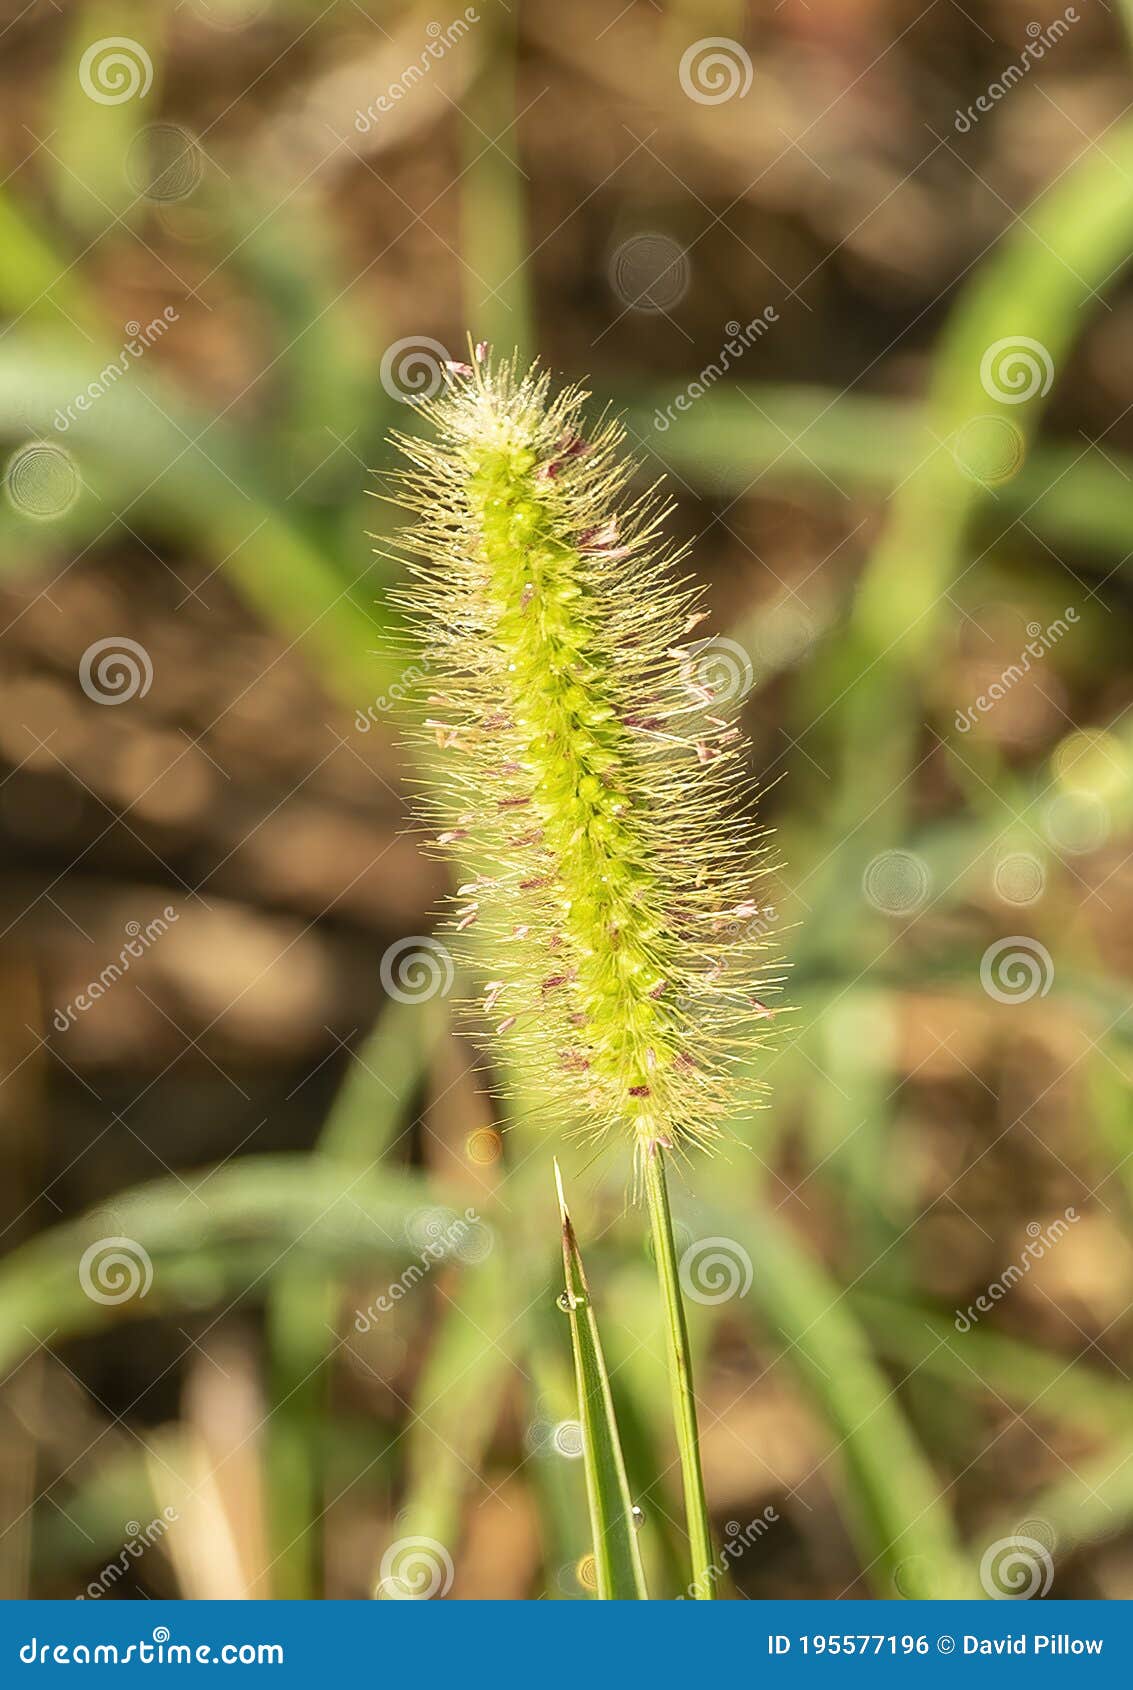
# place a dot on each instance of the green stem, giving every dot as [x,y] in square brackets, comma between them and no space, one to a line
[680,1376]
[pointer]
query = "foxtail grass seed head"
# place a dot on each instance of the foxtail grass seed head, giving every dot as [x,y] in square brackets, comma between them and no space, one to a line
[592,784]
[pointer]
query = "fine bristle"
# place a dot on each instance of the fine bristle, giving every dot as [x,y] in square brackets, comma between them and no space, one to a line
[589,780]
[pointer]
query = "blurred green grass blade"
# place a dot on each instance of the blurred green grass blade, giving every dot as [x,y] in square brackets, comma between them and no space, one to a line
[559,1486]
[87,1531]
[1037,284]
[300,1318]
[146,455]
[819,443]
[208,1236]
[95,145]
[895,1504]
[1094,1503]
[457,1401]
[1042,1384]
[377,1089]
[617,1556]
[34,280]
[634,1345]
[302,1310]
[495,244]
[332,410]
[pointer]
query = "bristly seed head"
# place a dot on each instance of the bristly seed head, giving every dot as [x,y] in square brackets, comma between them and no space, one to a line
[547,605]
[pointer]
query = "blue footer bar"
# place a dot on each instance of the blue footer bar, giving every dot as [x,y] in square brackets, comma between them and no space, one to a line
[552,1644]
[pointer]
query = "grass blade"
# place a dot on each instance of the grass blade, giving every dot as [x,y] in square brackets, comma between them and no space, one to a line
[896,1506]
[617,1558]
[680,1376]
